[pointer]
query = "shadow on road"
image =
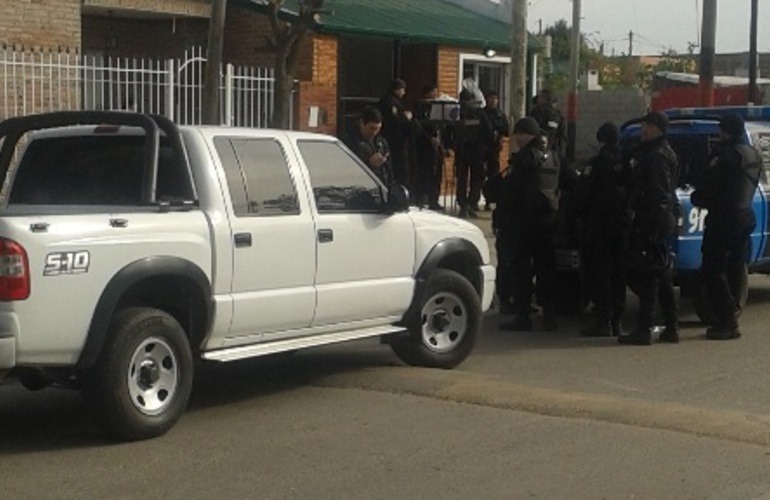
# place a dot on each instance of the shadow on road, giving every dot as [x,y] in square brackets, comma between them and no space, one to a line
[57,418]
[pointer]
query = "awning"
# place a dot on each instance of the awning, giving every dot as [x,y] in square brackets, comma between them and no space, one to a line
[412,21]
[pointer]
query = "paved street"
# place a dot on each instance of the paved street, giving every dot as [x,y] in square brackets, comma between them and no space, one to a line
[536,415]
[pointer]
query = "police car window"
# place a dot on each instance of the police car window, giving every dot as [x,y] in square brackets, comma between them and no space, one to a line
[340,183]
[762,144]
[258,177]
[694,153]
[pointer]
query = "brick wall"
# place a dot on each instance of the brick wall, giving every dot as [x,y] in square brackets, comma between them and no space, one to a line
[157,38]
[448,70]
[40,23]
[197,8]
[321,90]
[246,43]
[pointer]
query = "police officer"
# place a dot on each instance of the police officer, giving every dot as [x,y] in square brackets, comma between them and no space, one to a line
[727,194]
[528,205]
[429,151]
[500,126]
[472,135]
[397,128]
[601,203]
[655,171]
[549,119]
[369,145]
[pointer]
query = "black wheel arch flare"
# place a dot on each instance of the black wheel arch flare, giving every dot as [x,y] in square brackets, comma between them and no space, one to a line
[129,276]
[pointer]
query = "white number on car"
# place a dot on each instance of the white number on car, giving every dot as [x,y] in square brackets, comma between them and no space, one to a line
[696,219]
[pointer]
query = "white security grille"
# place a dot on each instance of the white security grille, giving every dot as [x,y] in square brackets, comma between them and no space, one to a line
[38,81]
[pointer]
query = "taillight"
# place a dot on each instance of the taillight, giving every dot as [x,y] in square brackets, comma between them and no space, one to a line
[14,271]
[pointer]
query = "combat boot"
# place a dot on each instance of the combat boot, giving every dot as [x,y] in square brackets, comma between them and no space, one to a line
[640,336]
[725,330]
[599,328]
[670,335]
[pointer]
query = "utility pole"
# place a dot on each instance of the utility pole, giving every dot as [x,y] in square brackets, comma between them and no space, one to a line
[753,60]
[630,43]
[707,49]
[210,104]
[574,75]
[519,40]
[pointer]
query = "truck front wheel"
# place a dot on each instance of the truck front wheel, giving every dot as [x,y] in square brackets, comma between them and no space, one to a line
[142,381]
[449,322]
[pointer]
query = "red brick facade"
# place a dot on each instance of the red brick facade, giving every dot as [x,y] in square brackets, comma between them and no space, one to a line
[40,23]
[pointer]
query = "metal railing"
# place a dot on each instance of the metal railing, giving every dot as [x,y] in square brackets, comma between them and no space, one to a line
[41,80]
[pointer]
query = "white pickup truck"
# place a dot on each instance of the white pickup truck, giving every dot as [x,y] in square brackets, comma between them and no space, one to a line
[130,248]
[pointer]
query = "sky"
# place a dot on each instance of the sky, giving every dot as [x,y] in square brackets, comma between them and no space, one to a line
[657,24]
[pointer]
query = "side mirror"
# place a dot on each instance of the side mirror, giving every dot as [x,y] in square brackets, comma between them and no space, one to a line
[398,198]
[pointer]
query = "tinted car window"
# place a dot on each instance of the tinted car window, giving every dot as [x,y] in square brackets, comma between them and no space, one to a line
[340,183]
[94,170]
[258,177]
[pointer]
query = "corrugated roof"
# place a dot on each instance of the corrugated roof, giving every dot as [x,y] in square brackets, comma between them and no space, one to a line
[426,21]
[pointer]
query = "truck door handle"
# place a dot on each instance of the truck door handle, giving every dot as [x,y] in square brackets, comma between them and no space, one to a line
[325,235]
[243,239]
[119,222]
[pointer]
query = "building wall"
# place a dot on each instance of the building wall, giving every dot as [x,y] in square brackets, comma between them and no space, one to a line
[197,8]
[40,23]
[595,108]
[321,90]
[157,38]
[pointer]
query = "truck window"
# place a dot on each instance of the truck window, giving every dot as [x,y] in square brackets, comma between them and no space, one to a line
[258,177]
[340,183]
[93,170]
[694,152]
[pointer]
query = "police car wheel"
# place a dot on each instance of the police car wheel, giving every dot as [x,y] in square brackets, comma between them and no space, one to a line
[444,333]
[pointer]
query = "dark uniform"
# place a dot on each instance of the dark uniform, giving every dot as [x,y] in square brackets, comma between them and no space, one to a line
[527,216]
[500,126]
[550,120]
[429,155]
[365,149]
[397,130]
[727,195]
[653,201]
[602,205]
[472,134]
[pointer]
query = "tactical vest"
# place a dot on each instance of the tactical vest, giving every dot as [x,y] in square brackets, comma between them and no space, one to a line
[548,179]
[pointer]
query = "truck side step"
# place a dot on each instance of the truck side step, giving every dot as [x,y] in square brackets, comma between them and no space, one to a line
[250,351]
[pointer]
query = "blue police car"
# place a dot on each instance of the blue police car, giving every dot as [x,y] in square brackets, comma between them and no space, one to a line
[694,134]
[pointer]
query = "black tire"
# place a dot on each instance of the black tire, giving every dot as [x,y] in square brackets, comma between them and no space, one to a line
[448,325]
[142,380]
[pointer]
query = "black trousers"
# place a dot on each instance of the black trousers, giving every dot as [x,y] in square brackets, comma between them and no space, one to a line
[504,276]
[533,258]
[492,161]
[470,166]
[603,253]
[399,160]
[654,284]
[724,270]
[430,166]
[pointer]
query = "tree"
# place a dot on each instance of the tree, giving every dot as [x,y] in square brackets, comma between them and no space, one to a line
[561,35]
[286,40]
[214,62]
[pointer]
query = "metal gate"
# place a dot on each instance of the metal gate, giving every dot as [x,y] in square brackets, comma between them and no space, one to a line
[38,81]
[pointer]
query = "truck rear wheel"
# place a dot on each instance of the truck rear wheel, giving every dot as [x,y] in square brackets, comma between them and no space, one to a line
[449,322]
[142,381]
